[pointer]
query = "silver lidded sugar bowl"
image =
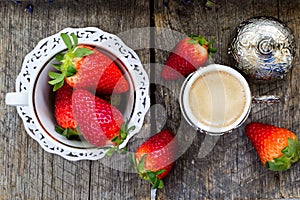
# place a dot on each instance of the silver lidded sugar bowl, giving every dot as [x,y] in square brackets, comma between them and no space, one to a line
[263,48]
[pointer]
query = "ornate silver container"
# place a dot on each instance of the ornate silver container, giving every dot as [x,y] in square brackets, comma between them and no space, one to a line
[263,48]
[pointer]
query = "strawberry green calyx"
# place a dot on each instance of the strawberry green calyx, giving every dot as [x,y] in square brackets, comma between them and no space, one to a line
[69,133]
[147,174]
[119,139]
[66,67]
[291,154]
[203,42]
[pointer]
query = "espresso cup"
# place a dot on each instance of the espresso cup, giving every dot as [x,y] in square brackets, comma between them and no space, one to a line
[215,99]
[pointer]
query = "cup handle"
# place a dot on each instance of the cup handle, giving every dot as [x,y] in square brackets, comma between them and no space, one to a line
[266,99]
[16,99]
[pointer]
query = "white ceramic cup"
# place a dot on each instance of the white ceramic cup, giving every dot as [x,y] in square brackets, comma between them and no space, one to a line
[34,97]
[40,100]
[218,97]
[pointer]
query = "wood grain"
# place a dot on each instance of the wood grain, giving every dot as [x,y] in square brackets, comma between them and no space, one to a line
[230,171]
[28,172]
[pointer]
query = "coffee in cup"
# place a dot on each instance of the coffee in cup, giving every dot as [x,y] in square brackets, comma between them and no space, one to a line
[215,99]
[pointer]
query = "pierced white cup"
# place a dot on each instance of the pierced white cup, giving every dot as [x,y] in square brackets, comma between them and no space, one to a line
[186,107]
[35,100]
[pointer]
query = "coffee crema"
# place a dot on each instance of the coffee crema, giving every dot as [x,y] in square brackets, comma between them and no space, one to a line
[217,99]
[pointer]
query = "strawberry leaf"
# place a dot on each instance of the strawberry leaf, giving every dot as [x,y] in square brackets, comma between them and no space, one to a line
[81,52]
[146,174]
[291,149]
[278,165]
[152,178]
[57,66]
[115,139]
[159,172]
[141,164]
[59,129]
[110,152]
[212,50]
[67,60]
[75,40]
[69,133]
[59,57]
[71,70]
[212,41]
[58,85]
[124,130]
[192,41]
[57,78]
[203,42]
[118,141]
[54,75]
[198,39]
[291,154]
[66,38]
[123,135]
[161,184]
[156,182]
[133,161]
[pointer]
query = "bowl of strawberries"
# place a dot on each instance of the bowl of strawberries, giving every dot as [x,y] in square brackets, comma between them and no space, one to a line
[86,93]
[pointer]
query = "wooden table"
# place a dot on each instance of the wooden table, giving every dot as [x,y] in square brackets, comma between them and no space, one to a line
[231,170]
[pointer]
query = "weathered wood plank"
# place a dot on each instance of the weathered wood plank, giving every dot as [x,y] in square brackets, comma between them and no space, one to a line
[232,170]
[28,172]
[290,181]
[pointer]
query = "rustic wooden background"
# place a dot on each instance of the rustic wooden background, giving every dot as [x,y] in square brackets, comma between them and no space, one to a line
[230,171]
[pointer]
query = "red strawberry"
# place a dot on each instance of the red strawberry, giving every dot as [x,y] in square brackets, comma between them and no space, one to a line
[98,121]
[63,107]
[187,56]
[155,157]
[85,67]
[64,114]
[276,147]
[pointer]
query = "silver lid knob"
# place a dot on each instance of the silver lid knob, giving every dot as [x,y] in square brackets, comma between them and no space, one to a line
[263,48]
